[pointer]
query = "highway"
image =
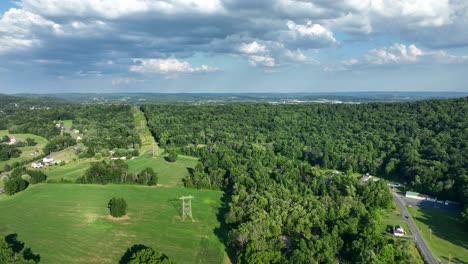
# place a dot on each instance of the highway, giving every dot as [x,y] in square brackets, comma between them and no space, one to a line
[424,249]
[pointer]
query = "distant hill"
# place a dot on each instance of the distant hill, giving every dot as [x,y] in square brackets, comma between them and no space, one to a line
[291,98]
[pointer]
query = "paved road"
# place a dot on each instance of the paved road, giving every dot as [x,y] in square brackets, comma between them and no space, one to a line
[424,249]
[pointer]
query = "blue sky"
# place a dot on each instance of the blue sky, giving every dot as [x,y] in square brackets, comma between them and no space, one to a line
[51,46]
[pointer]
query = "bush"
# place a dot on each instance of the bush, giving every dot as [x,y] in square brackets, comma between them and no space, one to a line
[37,176]
[141,254]
[15,185]
[98,156]
[172,157]
[147,176]
[117,207]
[26,177]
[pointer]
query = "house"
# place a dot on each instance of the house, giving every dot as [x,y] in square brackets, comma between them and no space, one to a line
[47,160]
[37,165]
[394,185]
[398,231]
[79,138]
[12,140]
[76,131]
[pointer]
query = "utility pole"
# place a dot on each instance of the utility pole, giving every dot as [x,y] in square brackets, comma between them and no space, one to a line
[187,207]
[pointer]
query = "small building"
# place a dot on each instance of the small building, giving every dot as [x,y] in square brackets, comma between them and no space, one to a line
[418,196]
[78,138]
[398,231]
[394,185]
[47,160]
[11,140]
[37,165]
[414,195]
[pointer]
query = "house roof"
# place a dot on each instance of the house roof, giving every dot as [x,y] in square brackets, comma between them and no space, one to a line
[412,193]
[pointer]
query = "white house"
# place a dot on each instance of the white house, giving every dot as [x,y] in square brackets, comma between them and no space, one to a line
[37,165]
[47,160]
[79,138]
[398,231]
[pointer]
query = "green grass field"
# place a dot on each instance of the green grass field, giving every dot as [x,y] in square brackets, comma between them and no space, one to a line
[68,223]
[26,151]
[68,123]
[69,172]
[449,235]
[169,174]
[393,217]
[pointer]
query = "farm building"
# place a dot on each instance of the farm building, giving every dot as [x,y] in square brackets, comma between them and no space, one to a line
[415,195]
[37,165]
[47,160]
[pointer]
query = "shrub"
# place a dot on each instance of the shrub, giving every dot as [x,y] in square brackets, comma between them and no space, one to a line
[15,185]
[117,207]
[172,157]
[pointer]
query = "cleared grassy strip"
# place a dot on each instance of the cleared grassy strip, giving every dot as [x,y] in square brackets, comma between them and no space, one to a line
[69,172]
[147,139]
[68,223]
[26,151]
[449,235]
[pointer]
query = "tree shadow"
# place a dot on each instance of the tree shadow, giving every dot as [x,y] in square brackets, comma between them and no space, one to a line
[18,247]
[447,226]
[176,204]
[222,231]
[190,170]
[14,243]
[130,251]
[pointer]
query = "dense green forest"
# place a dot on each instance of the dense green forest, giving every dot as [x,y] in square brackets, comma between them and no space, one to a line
[268,158]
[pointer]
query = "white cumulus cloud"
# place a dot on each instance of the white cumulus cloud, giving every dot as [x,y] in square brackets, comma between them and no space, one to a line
[400,54]
[262,60]
[168,66]
[252,48]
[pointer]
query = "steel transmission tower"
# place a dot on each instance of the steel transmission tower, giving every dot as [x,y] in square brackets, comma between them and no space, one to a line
[186,207]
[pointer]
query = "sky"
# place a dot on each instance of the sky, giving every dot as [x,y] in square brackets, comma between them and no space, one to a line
[171,46]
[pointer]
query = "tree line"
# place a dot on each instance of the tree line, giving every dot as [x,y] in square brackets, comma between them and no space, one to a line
[116,172]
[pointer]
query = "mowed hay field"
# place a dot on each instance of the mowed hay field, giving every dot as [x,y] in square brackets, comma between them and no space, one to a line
[449,237]
[169,174]
[68,223]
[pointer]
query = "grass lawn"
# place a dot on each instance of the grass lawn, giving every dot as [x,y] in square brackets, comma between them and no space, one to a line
[169,174]
[449,235]
[68,223]
[68,123]
[69,172]
[393,217]
[25,151]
